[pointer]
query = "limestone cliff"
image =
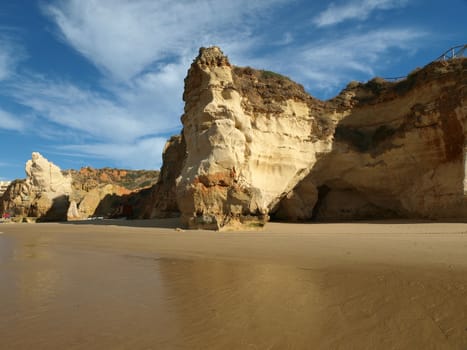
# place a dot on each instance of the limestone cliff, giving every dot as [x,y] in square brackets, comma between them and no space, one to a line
[398,152]
[250,138]
[258,145]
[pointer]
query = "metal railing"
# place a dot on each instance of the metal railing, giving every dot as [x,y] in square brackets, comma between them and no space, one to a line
[395,78]
[453,52]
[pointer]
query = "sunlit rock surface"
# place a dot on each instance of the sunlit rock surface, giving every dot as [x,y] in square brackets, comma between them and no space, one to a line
[250,136]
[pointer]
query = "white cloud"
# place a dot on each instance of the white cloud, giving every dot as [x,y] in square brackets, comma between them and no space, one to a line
[123,121]
[354,9]
[150,105]
[124,37]
[74,108]
[5,63]
[141,154]
[10,55]
[10,122]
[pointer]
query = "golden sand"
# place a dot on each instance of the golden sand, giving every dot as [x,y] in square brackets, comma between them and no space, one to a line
[147,285]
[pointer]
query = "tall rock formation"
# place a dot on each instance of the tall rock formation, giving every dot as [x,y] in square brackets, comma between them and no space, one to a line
[250,136]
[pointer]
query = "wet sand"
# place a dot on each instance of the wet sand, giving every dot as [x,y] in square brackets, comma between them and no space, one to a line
[146,285]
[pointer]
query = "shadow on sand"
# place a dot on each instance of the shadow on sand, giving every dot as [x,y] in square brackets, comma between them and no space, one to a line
[156,223]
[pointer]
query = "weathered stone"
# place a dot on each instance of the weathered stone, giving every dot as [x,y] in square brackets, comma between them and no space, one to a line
[398,152]
[160,200]
[44,176]
[248,140]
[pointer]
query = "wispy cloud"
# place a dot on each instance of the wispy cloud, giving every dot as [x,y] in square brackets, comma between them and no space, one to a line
[125,118]
[354,10]
[72,107]
[329,63]
[140,154]
[10,55]
[10,122]
[4,165]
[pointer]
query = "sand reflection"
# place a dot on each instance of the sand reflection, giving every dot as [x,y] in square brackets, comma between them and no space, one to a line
[226,305]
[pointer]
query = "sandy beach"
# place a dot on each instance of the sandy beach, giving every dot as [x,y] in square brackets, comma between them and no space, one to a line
[148,285]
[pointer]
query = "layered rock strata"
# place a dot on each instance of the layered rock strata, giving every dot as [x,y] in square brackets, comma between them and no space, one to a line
[250,138]
[400,152]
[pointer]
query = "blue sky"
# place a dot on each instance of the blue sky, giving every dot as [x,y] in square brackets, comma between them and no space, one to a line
[100,82]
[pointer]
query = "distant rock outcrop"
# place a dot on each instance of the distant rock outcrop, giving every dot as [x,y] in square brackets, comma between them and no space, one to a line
[44,193]
[50,194]
[45,177]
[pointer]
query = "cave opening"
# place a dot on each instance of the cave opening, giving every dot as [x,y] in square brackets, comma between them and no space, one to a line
[323,190]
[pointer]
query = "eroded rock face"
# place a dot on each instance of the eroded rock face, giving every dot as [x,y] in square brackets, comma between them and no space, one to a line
[250,138]
[398,152]
[160,200]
